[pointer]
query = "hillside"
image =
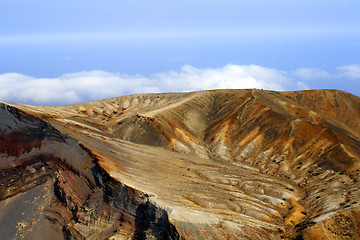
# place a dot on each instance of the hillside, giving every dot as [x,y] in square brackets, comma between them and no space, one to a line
[222,164]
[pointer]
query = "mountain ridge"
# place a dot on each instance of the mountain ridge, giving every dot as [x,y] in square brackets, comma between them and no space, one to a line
[225,164]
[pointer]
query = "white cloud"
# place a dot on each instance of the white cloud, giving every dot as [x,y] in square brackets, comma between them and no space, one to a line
[311,73]
[302,86]
[180,33]
[94,85]
[351,71]
[229,76]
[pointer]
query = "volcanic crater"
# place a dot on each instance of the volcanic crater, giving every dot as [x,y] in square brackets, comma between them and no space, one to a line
[220,164]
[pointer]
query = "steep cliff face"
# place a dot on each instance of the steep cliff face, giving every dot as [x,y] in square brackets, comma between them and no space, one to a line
[224,164]
[51,187]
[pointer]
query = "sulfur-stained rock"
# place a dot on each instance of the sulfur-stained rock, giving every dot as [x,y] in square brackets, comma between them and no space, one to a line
[223,164]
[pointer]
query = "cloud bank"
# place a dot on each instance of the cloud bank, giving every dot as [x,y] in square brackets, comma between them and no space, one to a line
[94,85]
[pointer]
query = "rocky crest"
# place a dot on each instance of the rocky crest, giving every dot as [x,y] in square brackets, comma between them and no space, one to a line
[223,164]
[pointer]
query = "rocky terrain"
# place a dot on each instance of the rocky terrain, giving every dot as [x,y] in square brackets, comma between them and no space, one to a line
[222,164]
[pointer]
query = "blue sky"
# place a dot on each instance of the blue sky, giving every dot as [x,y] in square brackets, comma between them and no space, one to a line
[47,48]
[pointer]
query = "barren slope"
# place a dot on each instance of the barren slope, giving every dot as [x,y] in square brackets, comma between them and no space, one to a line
[224,164]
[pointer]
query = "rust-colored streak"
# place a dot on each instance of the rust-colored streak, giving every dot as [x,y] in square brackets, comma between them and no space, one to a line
[17,143]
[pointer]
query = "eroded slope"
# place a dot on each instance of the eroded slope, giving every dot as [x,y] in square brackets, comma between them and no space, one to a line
[52,187]
[233,164]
